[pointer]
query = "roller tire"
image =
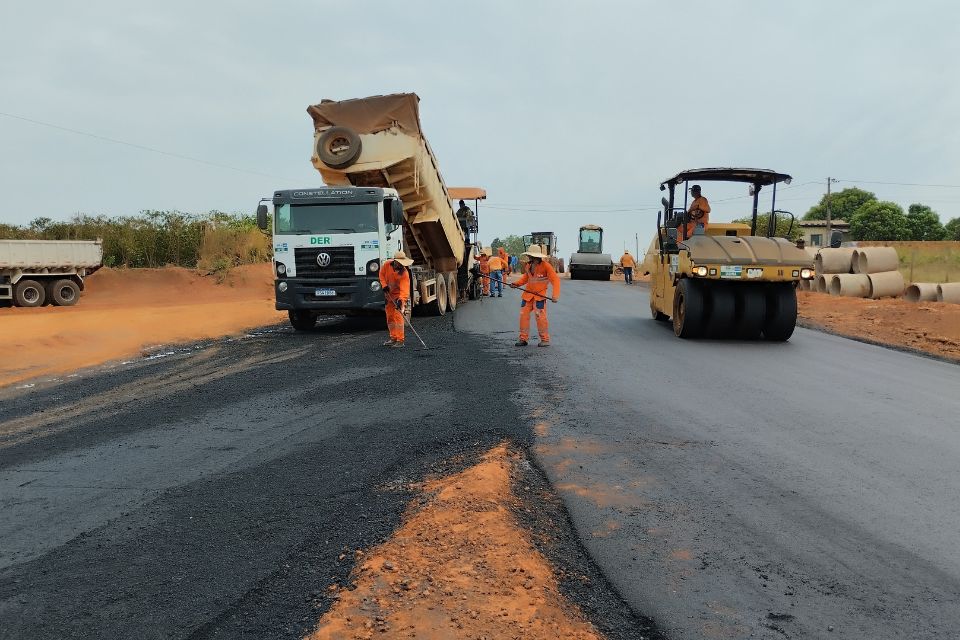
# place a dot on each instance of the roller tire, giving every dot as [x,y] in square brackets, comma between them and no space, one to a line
[659,316]
[63,293]
[339,147]
[689,309]
[29,293]
[781,316]
[302,320]
[452,292]
[722,309]
[751,312]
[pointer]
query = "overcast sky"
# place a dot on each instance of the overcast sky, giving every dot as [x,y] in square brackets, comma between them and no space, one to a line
[582,106]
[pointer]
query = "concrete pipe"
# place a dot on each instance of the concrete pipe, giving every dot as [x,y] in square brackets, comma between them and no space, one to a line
[850,285]
[886,284]
[949,292]
[833,260]
[921,292]
[822,284]
[875,260]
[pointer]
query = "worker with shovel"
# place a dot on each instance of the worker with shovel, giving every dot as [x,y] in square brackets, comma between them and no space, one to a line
[395,281]
[537,276]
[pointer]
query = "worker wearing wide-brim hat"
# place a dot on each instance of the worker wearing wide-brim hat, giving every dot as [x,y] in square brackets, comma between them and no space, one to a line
[538,275]
[395,281]
[627,263]
[484,260]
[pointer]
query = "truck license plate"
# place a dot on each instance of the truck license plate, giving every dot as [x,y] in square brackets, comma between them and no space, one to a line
[321,293]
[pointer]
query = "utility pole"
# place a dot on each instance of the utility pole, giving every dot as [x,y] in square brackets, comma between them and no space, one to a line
[826,240]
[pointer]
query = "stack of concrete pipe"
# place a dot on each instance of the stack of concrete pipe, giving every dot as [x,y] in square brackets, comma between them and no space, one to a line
[933,292]
[871,272]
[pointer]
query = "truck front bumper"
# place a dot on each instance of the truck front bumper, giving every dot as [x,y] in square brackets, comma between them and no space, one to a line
[352,294]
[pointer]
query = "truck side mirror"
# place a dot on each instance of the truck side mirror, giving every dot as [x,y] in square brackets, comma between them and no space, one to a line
[836,238]
[262,216]
[396,212]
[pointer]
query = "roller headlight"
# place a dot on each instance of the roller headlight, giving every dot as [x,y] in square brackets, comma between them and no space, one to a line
[373,266]
[281,269]
[375,286]
[282,287]
[806,274]
[700,271]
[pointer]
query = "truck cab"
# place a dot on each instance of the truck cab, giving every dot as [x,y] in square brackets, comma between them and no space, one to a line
[328,246]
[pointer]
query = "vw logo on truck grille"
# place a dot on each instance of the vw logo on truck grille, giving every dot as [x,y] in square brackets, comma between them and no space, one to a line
[324,259]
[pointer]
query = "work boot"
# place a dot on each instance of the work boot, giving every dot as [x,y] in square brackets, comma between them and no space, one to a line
[389,343]
[397,344]
[521,343]
[499,295]
[543,344]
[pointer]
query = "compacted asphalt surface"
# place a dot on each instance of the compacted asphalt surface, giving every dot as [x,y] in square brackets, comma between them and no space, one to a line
[217,490]
[728,489]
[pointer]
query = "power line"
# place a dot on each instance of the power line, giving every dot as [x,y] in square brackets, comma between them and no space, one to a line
[904,184]
[140,146]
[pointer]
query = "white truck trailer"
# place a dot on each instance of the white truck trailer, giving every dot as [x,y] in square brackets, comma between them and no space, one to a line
[385,193]
[38,272]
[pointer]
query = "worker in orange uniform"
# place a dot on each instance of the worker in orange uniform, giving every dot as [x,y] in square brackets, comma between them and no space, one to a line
[395,281]
[539,273]
[627,263]
[496,267]
[483,259]
[698,213]
[505,259]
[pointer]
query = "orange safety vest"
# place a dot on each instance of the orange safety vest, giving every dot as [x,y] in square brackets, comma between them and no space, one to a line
[536,278]
[484,264]
[495,264]
[700,214]
[396,285]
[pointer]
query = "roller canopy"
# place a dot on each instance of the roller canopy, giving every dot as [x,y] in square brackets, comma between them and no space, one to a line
[728,174]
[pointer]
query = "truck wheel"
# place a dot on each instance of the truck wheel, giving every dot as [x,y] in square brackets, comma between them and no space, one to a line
[781,318]
[302,320]
[560,266]
[452,291]
[338,147]
[63,293]
[689,310]
[29,293]
[751,312]
[722,310]
[439,306]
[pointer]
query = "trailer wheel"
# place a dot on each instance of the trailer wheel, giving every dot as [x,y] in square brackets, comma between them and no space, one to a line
[439,306]
[689,310]
[29,293]
[781,317]
[452,291]
[63,293]
[302,320]
[338,147]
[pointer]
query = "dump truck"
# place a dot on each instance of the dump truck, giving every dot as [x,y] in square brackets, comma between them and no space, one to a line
[34,273]
[384,193]
[725,281]
[589,262]
[547,240]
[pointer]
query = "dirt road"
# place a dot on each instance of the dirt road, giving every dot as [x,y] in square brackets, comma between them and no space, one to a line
[282,484]
[734,490]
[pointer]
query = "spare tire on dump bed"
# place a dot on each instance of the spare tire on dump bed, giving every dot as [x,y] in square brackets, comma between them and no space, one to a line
[338,147]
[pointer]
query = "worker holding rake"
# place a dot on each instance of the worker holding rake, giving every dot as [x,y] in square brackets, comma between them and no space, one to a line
[395,281]
[538,275]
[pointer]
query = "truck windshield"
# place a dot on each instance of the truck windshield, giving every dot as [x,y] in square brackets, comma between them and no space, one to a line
[327,218]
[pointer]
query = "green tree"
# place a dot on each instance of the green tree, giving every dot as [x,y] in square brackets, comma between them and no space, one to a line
[843,204]
[879,220]
[924,223]
[783,226]
[513,245]
[952,229]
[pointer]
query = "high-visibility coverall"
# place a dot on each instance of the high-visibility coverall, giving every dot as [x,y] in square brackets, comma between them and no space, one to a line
[535,280]
[485,270]
[699,211]
[396,286]
[502,254]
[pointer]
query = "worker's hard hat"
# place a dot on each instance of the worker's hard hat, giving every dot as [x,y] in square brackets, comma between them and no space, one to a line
[402,258]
